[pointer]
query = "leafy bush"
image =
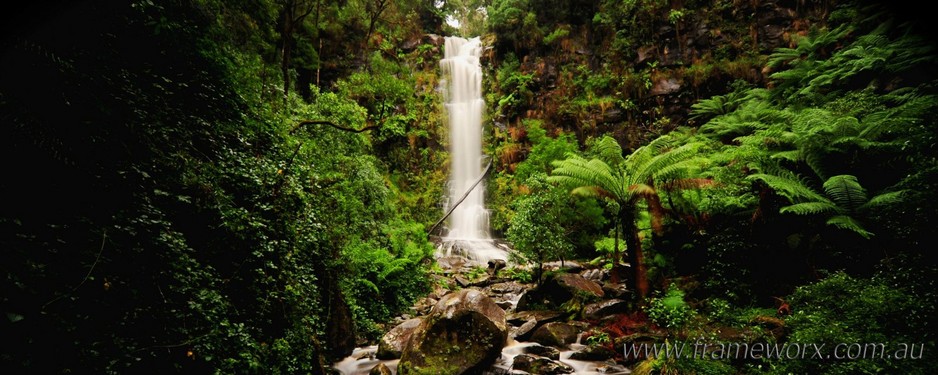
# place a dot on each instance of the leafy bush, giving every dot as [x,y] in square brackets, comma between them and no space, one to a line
[844,309]
[670,310]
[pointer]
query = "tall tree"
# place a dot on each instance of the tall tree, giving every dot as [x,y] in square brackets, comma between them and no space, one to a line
[292,15]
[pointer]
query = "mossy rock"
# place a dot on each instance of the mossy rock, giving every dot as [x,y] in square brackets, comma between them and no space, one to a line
[464,333]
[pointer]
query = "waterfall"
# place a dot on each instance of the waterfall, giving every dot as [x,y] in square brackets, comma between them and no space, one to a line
[469,223]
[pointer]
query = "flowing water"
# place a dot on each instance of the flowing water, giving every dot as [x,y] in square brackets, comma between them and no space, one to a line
[469,223]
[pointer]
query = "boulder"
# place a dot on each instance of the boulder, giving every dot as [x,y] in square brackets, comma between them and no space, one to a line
[541,316]
[555,334]
[524,331]
[543,351]
[601,309]
[593,353]
[539,365]
[558,290]
[392,343]
[380,369]
[618,291]
[464,332]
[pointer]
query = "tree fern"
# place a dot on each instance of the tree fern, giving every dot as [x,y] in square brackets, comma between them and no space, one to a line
[635,179]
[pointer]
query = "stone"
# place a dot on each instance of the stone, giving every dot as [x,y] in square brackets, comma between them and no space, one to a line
[593,353]
[434,39]
[567,266]
[614,290]
[558,290]
[505,288]
[392,343]
[555,334]
[462,281]
[539,365]
[576,284]
[505,304]
[451,263]
[601,309]
[380,369]
[410,44]
[495,265]
[465,332]
[524,331]
[665,86]
[541,316]
[543,351]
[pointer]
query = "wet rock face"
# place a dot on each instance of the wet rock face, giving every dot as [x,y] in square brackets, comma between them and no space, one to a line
[392,343]
[465,332]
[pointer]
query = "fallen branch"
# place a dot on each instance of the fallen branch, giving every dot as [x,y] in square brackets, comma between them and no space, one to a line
[464,196]
[332,124]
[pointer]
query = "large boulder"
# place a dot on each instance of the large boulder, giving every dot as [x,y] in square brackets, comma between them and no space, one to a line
[392,343]
[465,332]
[558,290]
[555,334]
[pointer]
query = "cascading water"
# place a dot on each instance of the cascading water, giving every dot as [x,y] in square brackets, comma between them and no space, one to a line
[468,228]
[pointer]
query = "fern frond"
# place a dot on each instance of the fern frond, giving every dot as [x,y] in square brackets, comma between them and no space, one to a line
[846,192]
[885,199]
[790,188]
[849,223]
[609,150]
[811,208]
[681,169]
[647,170]
[395,266]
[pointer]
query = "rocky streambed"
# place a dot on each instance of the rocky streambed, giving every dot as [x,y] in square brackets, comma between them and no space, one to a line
[484,323]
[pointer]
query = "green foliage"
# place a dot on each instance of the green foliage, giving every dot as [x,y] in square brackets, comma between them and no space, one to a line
[536,230]
[515,87]
[843,200]
[544,150]
[519,274]
[669,310]
[386,277]
[597,338]
[812,77]
[557,34]
[844,309]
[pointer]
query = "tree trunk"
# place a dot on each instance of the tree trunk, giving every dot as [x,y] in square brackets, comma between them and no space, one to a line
[636,257]
[286,50]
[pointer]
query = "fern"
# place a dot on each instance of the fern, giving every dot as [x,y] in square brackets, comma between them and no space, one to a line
[846,192]
[811,208]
